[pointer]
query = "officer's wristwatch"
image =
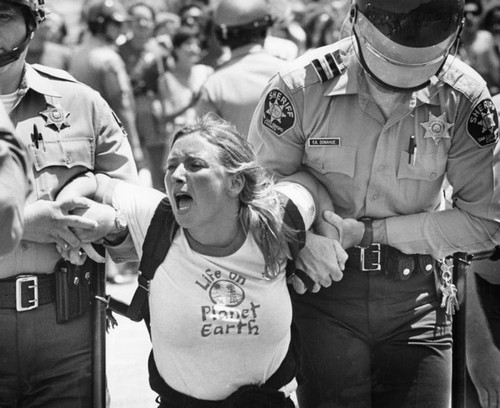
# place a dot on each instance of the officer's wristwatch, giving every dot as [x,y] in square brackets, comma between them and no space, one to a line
[367,239]
[120,222]
[116,236]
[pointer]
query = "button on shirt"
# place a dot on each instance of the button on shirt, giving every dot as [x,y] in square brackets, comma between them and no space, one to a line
[335,129]
[75,132]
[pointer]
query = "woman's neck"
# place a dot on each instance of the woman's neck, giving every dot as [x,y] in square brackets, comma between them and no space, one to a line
[223,237]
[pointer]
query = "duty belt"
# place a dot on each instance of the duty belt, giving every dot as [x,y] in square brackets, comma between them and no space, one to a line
[27,292]
[392,261]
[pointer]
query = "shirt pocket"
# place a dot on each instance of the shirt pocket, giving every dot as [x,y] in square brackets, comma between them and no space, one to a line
[68,152]
[426,167]
[338,159]
[419,185]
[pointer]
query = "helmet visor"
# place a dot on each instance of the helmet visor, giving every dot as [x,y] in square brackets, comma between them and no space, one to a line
[401,54]
[414,23]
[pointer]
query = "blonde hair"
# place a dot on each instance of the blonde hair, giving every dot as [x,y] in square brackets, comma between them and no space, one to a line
[261,212]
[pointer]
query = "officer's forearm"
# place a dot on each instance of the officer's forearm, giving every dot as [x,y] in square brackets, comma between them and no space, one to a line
[379,232]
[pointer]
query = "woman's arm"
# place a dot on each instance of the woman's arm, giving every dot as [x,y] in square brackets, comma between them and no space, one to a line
[322,258]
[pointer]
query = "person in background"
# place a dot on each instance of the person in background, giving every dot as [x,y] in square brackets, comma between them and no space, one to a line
[167,24]
[46,47]
[14,184]
[193,14]
[71,134]
[96,62]
[181,83]
[287,38]
[380,118]
[477,46]
[491,23]
[145,59]
[234,90]
[57,28]
[323,26]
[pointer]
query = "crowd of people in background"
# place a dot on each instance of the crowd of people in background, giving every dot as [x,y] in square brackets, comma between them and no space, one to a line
[156,55]
[168,49]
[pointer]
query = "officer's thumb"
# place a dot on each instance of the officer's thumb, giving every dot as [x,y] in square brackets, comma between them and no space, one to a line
[333,219]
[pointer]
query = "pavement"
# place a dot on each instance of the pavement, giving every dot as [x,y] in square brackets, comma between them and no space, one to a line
[127,350]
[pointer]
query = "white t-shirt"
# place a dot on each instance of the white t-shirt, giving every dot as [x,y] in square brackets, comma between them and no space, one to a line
[216,322]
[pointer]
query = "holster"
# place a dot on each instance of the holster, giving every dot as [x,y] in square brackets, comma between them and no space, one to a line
[72,289]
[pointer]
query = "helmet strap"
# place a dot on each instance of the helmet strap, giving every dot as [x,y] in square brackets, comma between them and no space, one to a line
[13,55]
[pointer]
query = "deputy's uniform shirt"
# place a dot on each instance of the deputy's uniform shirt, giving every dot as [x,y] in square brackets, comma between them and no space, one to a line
[233,91]
[314,116]
[69,130]
[14,184]
[216,322]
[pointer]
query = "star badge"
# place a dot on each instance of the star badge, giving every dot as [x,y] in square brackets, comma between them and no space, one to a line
[436,128]
[275,111]
[55,115]
[279,115]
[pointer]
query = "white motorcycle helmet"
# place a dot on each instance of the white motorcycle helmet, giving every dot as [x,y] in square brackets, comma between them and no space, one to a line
[403,43]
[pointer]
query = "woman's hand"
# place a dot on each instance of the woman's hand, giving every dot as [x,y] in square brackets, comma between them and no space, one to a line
[322,259]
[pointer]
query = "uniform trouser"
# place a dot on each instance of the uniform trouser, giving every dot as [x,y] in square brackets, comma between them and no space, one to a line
[489,296]
[374,341]
[487,312]
[43,364]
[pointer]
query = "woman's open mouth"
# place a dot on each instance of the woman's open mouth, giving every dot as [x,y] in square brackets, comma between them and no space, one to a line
[183,201]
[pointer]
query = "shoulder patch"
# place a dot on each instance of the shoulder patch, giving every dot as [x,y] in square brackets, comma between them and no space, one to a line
[328,66]
[482,124]
[54,72]
[278,115]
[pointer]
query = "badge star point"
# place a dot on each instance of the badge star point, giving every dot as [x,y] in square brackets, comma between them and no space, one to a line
[437,128]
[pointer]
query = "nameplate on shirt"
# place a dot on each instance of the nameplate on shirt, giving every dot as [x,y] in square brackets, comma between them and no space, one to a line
[333,141]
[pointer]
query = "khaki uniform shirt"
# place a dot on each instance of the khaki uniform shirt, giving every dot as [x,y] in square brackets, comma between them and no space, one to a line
[14,184]
[69,130]
[309,116]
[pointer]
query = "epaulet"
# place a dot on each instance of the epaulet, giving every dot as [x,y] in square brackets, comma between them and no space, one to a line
[323,65]
[328,66]
[54,72]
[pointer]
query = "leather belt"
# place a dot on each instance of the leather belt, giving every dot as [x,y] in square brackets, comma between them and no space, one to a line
[27,292]
[392,261]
